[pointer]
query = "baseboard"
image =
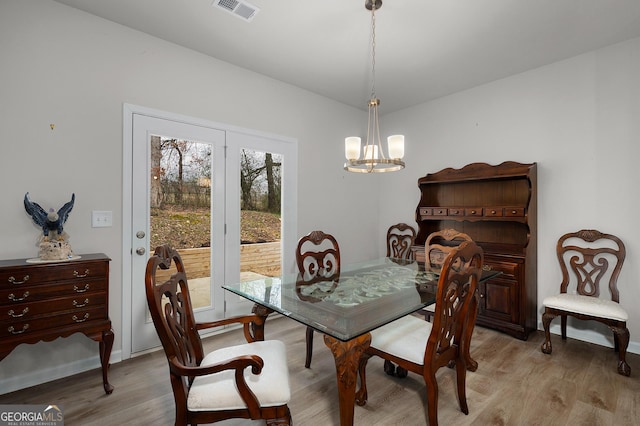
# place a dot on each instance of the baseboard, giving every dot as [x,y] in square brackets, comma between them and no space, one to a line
[44,375]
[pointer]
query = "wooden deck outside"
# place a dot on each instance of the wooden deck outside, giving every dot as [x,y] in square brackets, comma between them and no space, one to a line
[261,258]
[256,260]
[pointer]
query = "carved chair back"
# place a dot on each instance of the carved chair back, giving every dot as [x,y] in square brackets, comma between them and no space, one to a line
[318,255]
[439,244]
[588,257]
[400,239]
[459,278]
[172,313]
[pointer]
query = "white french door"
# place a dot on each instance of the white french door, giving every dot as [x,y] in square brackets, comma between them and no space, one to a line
[219,150]
[208,145]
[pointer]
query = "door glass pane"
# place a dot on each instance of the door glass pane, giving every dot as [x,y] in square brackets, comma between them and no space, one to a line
[180,209]
[260,214]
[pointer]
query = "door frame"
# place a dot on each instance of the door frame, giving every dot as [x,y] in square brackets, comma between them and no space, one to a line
[289,209]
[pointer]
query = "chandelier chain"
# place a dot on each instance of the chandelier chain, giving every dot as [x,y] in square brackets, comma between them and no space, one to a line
[373,52]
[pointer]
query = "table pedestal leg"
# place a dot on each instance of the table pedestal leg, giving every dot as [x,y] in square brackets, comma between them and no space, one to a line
[347,357]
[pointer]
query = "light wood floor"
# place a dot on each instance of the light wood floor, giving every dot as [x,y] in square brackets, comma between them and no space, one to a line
[515,385]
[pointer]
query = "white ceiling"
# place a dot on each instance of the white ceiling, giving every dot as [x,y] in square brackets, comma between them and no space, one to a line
[425,49]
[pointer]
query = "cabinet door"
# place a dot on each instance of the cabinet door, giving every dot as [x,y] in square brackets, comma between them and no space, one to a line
[499,297]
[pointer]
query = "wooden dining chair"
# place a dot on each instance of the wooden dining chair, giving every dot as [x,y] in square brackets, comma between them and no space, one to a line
[400,239]
[423,347]
[317,255]
[249,381]
[437,246]
[587,258]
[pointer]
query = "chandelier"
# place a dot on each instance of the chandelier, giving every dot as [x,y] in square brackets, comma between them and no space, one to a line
[373,158]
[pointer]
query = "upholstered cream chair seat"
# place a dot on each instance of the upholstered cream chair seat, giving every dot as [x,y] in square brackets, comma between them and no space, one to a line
[587,305]
[404,338]
[218,391]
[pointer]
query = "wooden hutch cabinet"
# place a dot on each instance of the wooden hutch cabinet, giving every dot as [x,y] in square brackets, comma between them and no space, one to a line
[44,301]
[496,207]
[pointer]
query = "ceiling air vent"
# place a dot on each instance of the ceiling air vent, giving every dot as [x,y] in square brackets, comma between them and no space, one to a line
[241,9]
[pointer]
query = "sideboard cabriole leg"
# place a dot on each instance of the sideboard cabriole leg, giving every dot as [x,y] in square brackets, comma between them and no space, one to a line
[106,344]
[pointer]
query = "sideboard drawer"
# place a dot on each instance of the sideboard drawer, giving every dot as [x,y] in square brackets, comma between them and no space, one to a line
[27,310]
[46,292]
[23,326]
[72,270]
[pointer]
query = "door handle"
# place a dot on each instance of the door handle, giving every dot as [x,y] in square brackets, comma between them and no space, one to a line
[141,251]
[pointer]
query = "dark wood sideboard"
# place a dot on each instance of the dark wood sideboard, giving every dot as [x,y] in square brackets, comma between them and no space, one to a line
[497,207]
[44,301]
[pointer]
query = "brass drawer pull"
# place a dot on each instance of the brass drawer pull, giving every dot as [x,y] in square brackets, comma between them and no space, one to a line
[78,275]
[83,319]
[81,290]
[78,305]
[486,267]
[12,280]
[14,315]
[18,299]
[14,331]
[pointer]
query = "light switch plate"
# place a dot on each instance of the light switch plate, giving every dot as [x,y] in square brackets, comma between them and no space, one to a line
[101,219]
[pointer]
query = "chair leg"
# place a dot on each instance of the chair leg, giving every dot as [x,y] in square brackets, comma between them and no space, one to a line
[361,394]
[622,337]
[389,368]
[546,322]
[307,362]
[432,397]
[461,379]
[283,421]
[563,326]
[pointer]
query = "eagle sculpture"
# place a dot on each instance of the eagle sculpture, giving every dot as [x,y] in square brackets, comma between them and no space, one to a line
[50,222]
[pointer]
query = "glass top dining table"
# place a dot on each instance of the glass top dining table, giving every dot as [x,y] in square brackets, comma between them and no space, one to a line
[365,296]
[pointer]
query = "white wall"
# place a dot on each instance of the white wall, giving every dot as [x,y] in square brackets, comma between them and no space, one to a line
[63,66]
[579,120]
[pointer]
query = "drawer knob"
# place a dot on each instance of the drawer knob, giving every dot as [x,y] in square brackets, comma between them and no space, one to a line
[486,267]
[14,315]
[14,331]
[13,280]
[79,275]
[83,319]
[18,299]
